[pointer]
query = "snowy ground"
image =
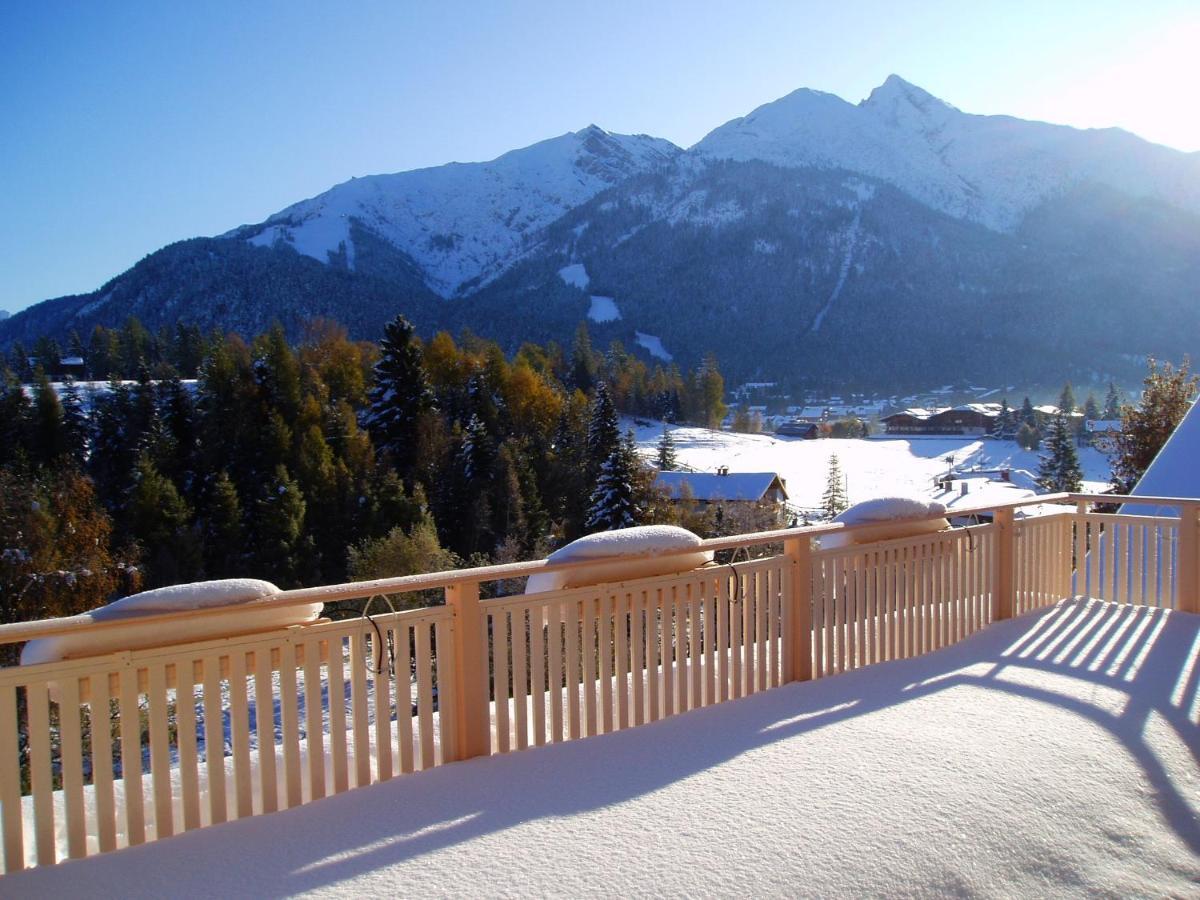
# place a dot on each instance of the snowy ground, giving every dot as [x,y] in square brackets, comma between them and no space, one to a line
[877,467]
[1051,755]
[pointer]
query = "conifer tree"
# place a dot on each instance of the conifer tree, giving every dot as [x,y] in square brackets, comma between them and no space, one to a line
[604,433]
[1028,416]
[1002,428]
[14,418]
[616,500]
[666,452]
[158,518]
[221,529]
[278,529]
[834,501]
[49,430]
[1066,400]
[1091,409]
[1113,401]
[75,422]
[1168,395]
[1059,467]
[583,360]
[399,397]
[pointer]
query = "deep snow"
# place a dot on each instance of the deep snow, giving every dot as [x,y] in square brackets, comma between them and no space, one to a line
[1050,755]
[878,467]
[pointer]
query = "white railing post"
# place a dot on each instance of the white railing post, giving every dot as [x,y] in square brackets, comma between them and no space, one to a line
[1003,587]
[1188,588]
[473,728]
[799,611]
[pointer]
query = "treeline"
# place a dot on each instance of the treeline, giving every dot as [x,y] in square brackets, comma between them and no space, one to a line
[316,463]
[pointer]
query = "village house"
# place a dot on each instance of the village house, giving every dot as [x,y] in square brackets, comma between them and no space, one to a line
[723,486]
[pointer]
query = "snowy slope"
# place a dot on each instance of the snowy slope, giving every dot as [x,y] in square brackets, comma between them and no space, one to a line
[873,468]
[1052,755]
[464,222]
[988,169]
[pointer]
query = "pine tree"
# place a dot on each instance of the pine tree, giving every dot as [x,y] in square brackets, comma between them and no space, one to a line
[834,501]
[1059,468]
[75,422]
[221,529]
[1028,415]
[1113,401]
[158,518]
[666,452]
[278,529]
[583,360]
[604,433]
[1066,400]
[49,431]
[14,418]
[616,501]
[1145,428]
[1091,409]
[400,396]
[1002,428]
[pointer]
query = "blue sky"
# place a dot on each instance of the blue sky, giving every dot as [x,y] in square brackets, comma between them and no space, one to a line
[130,125]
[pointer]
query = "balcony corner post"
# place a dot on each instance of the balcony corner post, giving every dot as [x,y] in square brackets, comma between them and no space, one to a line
[1005,594]
[471,691]
[1188,588]
[798,552]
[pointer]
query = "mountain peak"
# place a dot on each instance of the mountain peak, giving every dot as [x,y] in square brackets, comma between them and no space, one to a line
[896,90]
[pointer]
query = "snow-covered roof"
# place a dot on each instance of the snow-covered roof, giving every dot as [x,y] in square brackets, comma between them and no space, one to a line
[1103,425]
[709,486]
[1175,471]
[982,491]
[1051,762]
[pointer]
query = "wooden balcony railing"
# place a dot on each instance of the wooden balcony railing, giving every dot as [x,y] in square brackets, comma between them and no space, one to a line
[110,751]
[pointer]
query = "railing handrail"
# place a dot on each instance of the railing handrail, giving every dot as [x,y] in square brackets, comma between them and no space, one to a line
[17,632]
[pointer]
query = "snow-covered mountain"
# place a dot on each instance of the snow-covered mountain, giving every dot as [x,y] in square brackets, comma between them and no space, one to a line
[989,169]
[463,223]
[891,240]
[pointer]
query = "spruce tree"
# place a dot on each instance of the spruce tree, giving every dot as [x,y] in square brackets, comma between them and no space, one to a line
[1091,409]
[666,452]
[49,430]
[834,501]
[221,529]
[278,530]
[14,418]
[75,422]
[1113,401]
[1028,415]
[616,500]
[158,518]
[1066,400]
[1059,468]
[400,396]
[604,432]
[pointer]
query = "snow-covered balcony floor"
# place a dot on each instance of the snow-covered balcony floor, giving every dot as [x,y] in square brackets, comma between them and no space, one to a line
[1055,753]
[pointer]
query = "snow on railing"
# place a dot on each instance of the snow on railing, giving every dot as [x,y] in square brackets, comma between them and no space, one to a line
[114,750]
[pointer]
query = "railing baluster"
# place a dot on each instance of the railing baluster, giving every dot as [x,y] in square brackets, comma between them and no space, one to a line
[424,694]
[10,780]
[71,743]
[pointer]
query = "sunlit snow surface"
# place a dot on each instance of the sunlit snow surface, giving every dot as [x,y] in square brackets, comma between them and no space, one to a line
[879,467]
[466,221]
[1049,755]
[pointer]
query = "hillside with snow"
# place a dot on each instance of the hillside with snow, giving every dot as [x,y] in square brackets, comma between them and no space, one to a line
[462,223]
[989,169]
[894,242]
[879,467]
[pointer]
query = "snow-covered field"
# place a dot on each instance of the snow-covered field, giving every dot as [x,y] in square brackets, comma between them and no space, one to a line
[877,467]
[1050,755]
